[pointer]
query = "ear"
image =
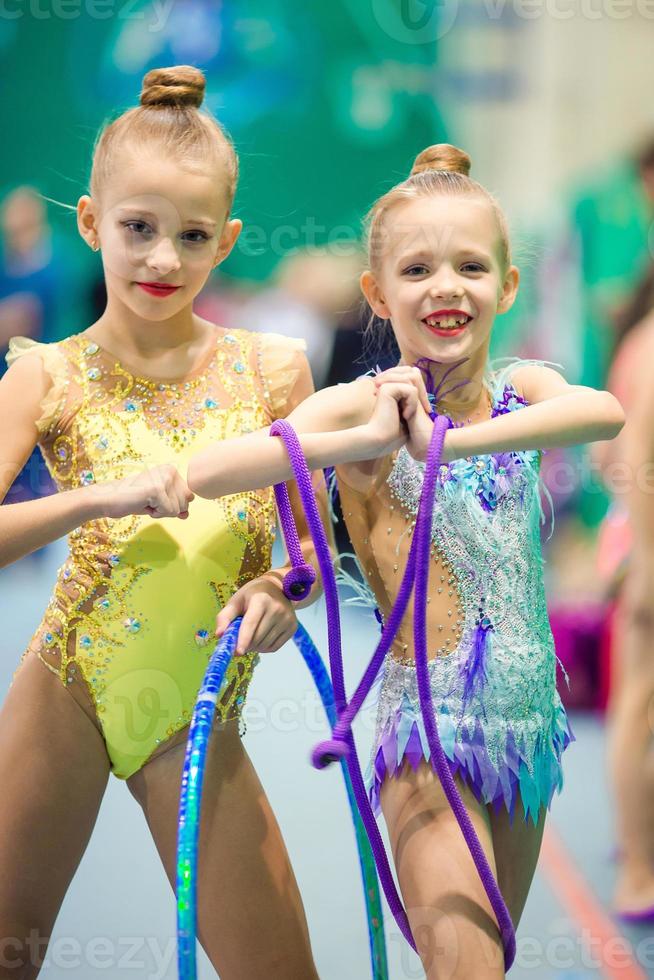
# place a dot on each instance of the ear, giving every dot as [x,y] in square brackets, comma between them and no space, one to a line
[509,289]
[231,231]
[371,290]
[87,221]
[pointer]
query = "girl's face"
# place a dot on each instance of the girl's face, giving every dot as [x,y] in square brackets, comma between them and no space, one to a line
[159,223]
[439,263]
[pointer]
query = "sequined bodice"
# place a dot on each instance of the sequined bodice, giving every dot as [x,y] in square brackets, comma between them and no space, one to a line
[485,553]
[110,424]
[492,665]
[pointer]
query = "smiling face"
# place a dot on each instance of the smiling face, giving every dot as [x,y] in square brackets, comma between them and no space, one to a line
[159,222]
[440,263]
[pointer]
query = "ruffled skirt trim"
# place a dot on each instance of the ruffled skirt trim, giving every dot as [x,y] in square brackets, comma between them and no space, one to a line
[534,776]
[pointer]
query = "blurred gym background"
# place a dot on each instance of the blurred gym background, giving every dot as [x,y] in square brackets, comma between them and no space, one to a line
[328,103]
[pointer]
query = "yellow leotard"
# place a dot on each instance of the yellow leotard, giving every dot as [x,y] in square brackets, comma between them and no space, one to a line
[130,625]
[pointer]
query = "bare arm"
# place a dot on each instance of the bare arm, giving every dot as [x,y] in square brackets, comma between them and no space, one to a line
[269,618]
[331,426]
[639,459]
[558,415]
[302,390]
[25,527]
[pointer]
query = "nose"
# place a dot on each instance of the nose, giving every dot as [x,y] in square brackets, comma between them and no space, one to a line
[445,284]
[163,258]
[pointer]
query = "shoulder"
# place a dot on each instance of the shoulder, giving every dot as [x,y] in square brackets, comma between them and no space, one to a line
[284,371]
[36,379]
[280,341]
[29,360]
[535,382]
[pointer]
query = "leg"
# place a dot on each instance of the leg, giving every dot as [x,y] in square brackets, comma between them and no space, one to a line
[449,912]
[250,917]
[53,772]
[631,758]
[516,850]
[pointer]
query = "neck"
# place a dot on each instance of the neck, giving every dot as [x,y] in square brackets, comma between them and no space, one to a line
[131,334]
[456,387]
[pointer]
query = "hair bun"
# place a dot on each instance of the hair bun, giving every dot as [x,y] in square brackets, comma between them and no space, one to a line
[442,156]
[182,85]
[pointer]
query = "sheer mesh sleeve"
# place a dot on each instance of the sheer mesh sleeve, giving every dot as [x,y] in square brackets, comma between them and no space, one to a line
[55,365]
[500,370]
[282,363]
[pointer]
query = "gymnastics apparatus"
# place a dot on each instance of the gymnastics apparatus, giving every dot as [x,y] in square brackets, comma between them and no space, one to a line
[340,747]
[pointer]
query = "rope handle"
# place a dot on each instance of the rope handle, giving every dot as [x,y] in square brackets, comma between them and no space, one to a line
[299,580]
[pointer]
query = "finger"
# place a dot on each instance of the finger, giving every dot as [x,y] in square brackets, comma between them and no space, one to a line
[161,503]
[276,622]
[396,390]
[228,614]
[419,382]
[246,633]
[175,489]
[279,634]
[182,504]
[391,374]
[184,495]
[275,639]
[269,624]
[163,478]
[407,374]
[409,406]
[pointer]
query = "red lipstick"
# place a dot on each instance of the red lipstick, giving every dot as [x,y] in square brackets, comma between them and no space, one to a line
[158,289]
[447,331]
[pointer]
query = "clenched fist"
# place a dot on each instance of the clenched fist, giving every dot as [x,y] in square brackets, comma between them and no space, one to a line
[159,492]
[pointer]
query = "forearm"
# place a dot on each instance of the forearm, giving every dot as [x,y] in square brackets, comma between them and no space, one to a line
[25,527]
[257,460]
[564,420]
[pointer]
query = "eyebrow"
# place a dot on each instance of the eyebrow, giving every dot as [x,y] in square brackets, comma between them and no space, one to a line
[208,222]
[420,256]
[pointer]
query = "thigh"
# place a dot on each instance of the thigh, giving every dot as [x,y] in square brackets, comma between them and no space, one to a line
[53,772]
[516,846]
[250,916]
[450,915]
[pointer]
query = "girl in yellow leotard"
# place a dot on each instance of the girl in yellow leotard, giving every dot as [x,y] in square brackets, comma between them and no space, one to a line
[110,677]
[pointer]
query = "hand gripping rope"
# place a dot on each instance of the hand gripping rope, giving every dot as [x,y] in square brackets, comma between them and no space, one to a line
[297,585]
[341,745]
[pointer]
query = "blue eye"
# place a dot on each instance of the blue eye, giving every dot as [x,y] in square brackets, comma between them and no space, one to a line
[197,241]
[142,228]
[421,269]
[136,230]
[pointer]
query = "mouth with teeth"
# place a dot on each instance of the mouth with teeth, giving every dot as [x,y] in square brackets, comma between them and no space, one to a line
[447,323]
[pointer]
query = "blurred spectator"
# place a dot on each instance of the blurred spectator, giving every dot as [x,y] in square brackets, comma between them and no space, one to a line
[625,561]
[29,289]
[310,293]
[28,271]
[630,535]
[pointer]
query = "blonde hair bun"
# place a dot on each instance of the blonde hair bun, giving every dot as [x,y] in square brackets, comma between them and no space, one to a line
[182,86]
[442,156]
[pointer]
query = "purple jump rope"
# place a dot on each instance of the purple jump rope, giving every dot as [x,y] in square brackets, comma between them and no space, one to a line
[341,744]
